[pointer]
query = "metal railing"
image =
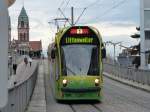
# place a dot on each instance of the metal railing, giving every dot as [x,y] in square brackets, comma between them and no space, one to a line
[135,75]
[19,95]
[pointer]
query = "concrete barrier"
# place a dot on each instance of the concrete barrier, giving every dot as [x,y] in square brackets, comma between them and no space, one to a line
[135,75]
[20,94]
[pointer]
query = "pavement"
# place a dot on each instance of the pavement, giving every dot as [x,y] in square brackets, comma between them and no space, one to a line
[38,102]
[22,73]
[128,82]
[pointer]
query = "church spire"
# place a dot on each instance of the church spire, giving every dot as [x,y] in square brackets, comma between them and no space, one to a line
[23,26]
[23,16]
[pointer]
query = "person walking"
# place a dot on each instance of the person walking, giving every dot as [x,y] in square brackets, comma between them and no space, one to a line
[26,60]
[14,61]
[30,61]
[149,61]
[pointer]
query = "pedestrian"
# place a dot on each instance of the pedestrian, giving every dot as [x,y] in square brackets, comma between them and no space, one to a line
[30,61]
[14,63]
[14,68]
[26,61]
[43,57]
[149,61]
[136,62]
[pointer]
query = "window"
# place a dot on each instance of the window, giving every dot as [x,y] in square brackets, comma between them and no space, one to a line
[147,19]
[57,66]
[147,35]
[80,60]
[146,3]
[22,23]
[21,36]
[24,35]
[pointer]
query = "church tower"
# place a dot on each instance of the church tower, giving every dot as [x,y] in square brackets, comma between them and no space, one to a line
[23,26]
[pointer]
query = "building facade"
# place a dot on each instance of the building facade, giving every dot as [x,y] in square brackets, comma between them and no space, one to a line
[145,33]
[23,33]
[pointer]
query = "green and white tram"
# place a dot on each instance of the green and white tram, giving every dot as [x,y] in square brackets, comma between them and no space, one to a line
[76,64]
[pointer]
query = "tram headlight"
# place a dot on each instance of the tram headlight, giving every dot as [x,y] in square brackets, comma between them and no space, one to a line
[64,82]
[96,82]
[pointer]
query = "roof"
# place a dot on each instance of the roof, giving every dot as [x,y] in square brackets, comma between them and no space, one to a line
[35,45]
[23,16]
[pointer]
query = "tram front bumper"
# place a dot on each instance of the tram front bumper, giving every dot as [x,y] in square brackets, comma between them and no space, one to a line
[80,90]
[91,93]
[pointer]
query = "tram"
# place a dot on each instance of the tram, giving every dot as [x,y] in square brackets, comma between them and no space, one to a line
[76,64]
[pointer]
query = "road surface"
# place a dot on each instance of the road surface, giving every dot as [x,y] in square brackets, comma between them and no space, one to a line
[117,98]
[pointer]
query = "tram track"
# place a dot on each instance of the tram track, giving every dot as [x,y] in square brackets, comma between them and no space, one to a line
[97,108]
[81,107]
[117,98]
[71,106]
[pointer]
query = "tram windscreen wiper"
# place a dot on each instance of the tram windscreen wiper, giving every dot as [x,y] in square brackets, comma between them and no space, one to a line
[71,71]
[79,60]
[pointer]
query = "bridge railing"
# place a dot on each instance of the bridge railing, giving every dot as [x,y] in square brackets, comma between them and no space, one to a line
[135,75]
[20,94]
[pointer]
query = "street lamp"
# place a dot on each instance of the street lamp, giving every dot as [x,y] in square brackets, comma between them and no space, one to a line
[114,45]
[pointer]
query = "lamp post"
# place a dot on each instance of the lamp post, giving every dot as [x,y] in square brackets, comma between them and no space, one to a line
[114,45]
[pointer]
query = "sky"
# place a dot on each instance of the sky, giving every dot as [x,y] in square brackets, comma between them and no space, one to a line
[115,19]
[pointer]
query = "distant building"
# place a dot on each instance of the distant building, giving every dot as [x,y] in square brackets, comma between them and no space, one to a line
[127,60]
[23,45]
[130,57]
[35,48]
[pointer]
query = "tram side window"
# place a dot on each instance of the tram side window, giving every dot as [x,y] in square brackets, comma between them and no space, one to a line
[63,63]
[57,66]
[94,64]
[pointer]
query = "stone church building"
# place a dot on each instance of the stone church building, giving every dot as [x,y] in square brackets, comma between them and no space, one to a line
[23,45]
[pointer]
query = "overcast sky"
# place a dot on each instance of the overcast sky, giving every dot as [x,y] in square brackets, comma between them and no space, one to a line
[115,19]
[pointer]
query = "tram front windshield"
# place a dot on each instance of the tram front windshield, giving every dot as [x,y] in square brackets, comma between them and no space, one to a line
[80,60]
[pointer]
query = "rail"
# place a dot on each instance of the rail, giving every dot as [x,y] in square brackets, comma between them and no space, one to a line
[20,94]
[135,75]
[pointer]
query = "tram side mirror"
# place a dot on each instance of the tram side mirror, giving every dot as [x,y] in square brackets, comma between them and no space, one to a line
[53,54]
[103,53]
